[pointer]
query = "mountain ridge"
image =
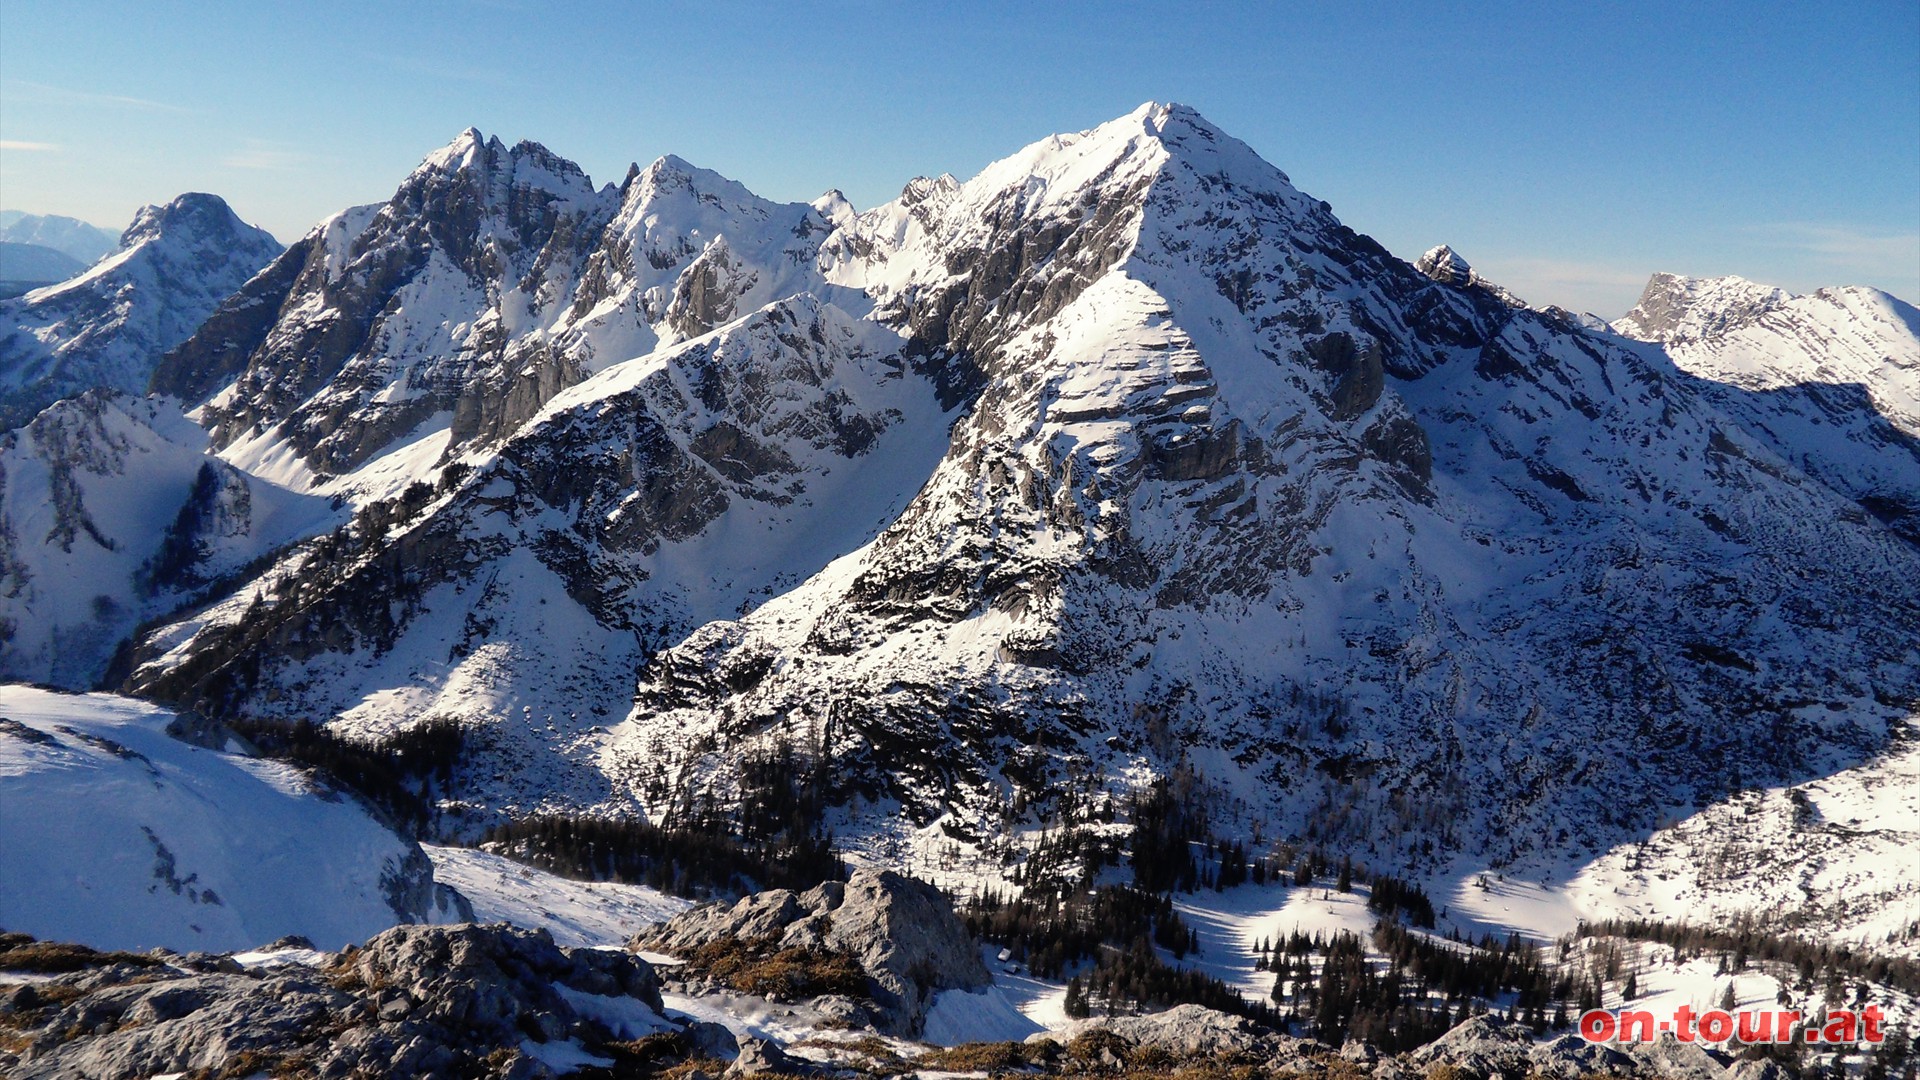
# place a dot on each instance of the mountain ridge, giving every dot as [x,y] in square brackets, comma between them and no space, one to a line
[1121,458]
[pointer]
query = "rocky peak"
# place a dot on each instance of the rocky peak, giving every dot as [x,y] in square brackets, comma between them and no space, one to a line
[834,206]
[1445,265]
[1449,267]
[1676,308]
[463,151]
[194,214]
[921,188]
[473,188]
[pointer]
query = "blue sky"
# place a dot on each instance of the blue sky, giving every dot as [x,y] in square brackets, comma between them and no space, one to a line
[1567,150]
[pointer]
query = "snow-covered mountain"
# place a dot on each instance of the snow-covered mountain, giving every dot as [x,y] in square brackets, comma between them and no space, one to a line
[1830,380]
[493,279]
[1123,453]
[109,326]
[79,240]
[120,835]
[1236,485]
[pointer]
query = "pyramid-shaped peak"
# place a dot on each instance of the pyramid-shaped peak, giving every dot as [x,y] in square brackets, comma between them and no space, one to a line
[1445,265]
[463,151]
[671,173]
[1155,138]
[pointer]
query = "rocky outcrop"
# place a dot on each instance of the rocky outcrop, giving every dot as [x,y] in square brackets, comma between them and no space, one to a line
[445,1001]
[902,931]
[1185,1030]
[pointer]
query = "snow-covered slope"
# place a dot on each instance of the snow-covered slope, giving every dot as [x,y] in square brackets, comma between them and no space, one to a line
[579,914]
[111,512]
[1122,453]
[1832,859]
[109,326]
[115,834]
[1830,380]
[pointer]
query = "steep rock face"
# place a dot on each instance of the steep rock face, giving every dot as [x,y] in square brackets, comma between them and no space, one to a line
[109,326]
[1674,308]
[493,279]
[392,318]
[1830,380]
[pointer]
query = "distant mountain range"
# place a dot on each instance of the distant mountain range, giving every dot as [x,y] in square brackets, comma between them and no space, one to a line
[25,267]
[76,239]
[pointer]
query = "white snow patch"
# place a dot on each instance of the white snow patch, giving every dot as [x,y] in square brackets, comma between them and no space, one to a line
[984,1015]
[576,913]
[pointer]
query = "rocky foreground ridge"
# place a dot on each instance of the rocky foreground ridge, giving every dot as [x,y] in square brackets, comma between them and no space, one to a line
[856,962]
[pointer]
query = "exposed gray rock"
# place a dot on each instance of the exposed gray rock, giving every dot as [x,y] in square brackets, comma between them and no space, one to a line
[1671,1059]
[415,1001]
[1485,1047]
[712,1040]
[902,931]
[1481,1045]
[763,1056]
[1750,1069]
[1183,1029]
[1571,1057]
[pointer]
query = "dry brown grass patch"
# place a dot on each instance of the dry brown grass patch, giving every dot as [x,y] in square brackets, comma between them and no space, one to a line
[761,967]
[985,1057]
[61,957]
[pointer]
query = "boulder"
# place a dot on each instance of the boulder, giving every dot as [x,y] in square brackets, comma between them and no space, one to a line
[902,932]
[764,1056]
[1183,1029]
[1671,1059]
[1482,1046]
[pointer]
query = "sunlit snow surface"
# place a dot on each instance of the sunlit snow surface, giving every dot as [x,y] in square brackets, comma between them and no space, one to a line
[116,835]
[577,913]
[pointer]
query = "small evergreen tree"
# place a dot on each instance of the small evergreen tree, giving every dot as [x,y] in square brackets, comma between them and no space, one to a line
[1076,1005]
